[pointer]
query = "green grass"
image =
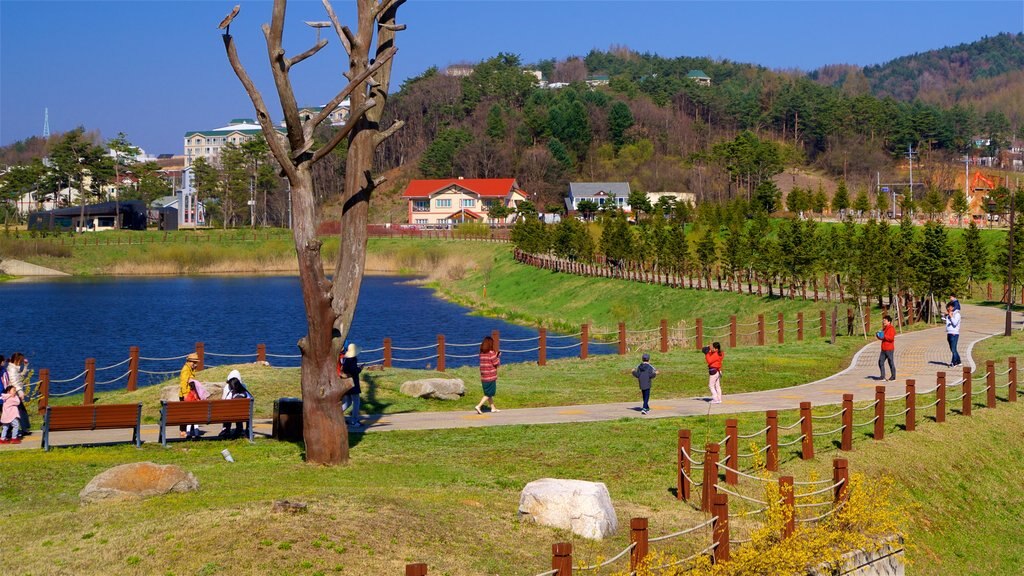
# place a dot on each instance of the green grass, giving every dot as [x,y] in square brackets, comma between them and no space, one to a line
[448,497]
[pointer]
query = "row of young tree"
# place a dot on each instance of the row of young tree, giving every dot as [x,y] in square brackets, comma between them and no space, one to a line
[96,171]
[242,186]
[874,260]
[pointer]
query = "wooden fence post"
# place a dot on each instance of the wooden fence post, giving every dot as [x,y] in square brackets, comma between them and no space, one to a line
[990,381]
[840,473]
[911,420]
[44,389]
[683,455]
[721,532]
[201,352]
[638,536]
[542,346]
[967,403]
[415,570]
[807,431]
[940,397]
[561,558]
[988,292]
[496,336]
[440,352]
[261,352]
[789,510]
[700,333]
[772,440]
[822,318]
[1012,388]
[799,326]
[732,331]
[622,338]
[781,329]
[664,335]
[710,485]
[133,368]
[732,443]
[846,443]
[90,380]
[760,329]
[584,341]
[879,412]
[387,352]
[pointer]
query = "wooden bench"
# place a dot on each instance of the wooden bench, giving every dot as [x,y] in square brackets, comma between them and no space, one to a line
[204,412]
[93,417]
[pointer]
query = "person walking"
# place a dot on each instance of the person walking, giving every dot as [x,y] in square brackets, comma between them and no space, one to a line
[490,359]
[888,337]
[952,317]
[644,373]
[188,372]
[713,355]
[349,366]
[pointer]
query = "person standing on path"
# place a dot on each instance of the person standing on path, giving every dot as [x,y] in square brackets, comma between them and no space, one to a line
[349,366]
[713,355]
[952,317]
[888,337]
[188,372]
[644,373]
[489,362]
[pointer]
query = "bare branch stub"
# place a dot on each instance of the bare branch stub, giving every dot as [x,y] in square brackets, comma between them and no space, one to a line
[344,34]
[313,50]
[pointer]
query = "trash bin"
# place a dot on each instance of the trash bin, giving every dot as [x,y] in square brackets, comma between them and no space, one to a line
[288,419]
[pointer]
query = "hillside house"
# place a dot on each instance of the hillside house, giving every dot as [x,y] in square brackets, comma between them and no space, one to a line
[450,201]
[600,193]
[699,77]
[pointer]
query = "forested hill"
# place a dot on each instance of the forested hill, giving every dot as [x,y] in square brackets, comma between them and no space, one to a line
[987,74]
[655,127]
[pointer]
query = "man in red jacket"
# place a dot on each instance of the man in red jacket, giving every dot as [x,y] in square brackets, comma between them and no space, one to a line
[888,337]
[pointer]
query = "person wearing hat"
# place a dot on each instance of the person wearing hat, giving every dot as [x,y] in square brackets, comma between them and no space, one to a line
[188,372]
[349,367]
[644,373]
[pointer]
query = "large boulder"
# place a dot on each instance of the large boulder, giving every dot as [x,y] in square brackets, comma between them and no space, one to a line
[438,388]
[137,481]
[583,507]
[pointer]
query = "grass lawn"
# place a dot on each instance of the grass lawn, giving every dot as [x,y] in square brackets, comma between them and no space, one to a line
[449,498]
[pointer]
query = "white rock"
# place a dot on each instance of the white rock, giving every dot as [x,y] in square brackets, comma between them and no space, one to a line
[583,507]
[439,388]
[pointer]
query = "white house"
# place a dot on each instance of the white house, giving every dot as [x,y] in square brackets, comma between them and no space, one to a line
[453,200]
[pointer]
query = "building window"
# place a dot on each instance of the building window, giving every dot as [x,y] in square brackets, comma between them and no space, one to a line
[443,203]
[420,221]
[421,206]
[468,203]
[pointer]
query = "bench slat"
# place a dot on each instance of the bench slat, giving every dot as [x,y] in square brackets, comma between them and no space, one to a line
[207,411]
[93,417]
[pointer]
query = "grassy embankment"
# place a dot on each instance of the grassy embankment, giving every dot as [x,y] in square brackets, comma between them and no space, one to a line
[448,498]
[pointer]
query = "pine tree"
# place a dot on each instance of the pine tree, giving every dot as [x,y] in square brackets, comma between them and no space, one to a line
[882,205]
[707,253]
[841,199]
[960,207]
[976,254]
[861,204]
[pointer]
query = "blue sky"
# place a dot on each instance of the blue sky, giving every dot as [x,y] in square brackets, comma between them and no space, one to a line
[154,69]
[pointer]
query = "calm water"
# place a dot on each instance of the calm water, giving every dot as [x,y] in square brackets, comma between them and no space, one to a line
[58,324]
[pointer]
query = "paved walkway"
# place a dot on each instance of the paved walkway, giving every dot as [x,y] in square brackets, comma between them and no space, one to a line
[19,268]
[919,355]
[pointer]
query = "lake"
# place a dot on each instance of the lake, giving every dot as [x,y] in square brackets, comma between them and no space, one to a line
[60,323]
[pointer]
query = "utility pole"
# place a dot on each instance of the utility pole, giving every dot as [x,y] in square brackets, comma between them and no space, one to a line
[1008,328]
[910,159]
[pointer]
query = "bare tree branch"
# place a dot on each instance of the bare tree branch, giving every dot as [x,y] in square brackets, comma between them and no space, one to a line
[274,138]
[342,31]
[386,5]
[343,132]
[278,66]
[352,85]
[289,62]
[393,27]
[382,136]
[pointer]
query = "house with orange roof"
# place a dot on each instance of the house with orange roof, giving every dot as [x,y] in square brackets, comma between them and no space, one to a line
[449,201]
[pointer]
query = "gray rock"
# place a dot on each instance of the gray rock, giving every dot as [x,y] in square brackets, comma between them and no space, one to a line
[585,508]
[438,388]
[137,481]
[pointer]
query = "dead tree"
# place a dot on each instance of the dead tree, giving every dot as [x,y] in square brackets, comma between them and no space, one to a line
[329,305]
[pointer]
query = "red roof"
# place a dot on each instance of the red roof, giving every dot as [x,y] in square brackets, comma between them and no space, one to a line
[486,187]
